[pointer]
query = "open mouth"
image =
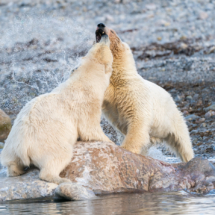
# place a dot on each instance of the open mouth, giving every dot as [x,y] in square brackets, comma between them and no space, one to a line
[99,34]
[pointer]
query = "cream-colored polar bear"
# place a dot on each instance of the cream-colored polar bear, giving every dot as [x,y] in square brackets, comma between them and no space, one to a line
[48,126]
[141,110]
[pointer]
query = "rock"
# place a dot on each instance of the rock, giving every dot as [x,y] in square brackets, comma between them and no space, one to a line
[109,18]
[209,114]
[107,168]
[118,1]
[191,117]
[183,46]
[151,6]
[177,98]
[24,187]
[200,120]
[211,107]
[203,15]
[211,50]
[5,125]
[189,97]
[203,125]
[73,191]
[159,38]
[1,145]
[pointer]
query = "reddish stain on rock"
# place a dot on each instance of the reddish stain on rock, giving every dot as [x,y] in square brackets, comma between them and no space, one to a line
[108,168]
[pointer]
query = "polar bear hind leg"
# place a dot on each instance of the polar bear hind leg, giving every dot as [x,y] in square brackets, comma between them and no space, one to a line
[181,146]
[179,140]
[137,139]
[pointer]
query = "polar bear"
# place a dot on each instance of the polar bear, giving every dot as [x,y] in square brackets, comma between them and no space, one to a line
[47,127]
[141,110]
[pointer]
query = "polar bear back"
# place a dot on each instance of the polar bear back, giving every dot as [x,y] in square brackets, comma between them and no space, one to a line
[161,106]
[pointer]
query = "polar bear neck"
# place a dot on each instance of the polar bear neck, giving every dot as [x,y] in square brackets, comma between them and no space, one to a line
[123,64]
[88,74]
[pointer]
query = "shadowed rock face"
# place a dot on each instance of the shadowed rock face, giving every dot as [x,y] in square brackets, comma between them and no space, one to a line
[107,168]
[5,125]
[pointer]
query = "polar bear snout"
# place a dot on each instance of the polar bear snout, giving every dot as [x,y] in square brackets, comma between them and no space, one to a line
[101,25]
[100,31]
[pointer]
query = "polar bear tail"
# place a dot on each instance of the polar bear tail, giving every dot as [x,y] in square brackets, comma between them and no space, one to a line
[9,155]
[15,150]
[179,139]
[14,161]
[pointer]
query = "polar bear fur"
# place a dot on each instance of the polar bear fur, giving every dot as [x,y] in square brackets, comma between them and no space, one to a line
[141,110]
[47,127]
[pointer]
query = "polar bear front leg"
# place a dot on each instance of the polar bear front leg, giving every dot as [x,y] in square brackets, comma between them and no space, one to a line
[52,163]
[94,133]
[137,138]
[101,135]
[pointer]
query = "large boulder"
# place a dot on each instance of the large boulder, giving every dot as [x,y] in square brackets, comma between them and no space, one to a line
[107,168]
[5,125]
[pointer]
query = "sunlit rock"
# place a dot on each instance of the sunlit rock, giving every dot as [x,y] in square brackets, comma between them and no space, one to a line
[107,168]
[24,187]
[74,191]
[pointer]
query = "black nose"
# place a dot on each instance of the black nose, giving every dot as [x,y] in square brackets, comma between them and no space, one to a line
[101,25]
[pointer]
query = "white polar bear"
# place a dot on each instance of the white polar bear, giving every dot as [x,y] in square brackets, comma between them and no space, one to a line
[141,110]
[48,126]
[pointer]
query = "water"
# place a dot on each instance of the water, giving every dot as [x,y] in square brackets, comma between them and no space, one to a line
[138,204]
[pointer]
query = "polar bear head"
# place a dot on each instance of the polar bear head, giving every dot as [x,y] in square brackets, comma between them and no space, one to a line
[116,45]
[123,61]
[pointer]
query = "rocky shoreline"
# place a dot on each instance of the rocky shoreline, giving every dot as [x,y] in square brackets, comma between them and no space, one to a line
[99,168]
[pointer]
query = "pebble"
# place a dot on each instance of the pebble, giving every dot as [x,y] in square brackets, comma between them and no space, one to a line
[203,15]
[203,125]
[211,50]
[189,97]
[151,6]
[211,107]
[177,98]
[192,117]
[209,114]
[109,17]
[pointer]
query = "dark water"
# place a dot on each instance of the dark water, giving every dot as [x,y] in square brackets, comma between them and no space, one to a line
[125,204]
